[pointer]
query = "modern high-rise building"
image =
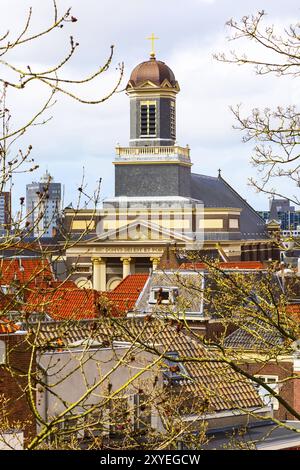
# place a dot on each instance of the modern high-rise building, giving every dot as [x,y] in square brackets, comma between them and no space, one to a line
[284,213]
[5,212]
[43,204]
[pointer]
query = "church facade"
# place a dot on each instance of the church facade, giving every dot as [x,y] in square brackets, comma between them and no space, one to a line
[158,201]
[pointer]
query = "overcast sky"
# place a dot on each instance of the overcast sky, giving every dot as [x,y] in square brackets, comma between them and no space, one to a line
[190,32]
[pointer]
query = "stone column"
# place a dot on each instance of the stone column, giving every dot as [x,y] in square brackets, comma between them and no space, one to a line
[155,262]
[126,266]
[99,274]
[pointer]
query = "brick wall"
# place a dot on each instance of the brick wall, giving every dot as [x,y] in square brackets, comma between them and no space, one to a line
[13,382]
[287,389]
[296,385]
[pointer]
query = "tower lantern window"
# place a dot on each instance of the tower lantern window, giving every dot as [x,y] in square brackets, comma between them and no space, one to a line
[172,120]
[148,118]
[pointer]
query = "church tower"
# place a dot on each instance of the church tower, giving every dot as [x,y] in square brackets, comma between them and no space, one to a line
[153,164]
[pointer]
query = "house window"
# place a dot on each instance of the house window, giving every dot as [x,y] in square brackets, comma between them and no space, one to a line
[142,412]
[148,119]
[174,371]
[272,382]
[2,352]
[97,423]
[118,416]
[163,295]
[172,120]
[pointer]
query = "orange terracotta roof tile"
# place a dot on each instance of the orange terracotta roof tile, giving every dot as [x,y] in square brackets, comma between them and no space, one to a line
[7,327]
[66,301]
[24,270]
[123,298]
[132,284]
[293,311]
[293,308]
[75,304]
[121,302]
[50,284]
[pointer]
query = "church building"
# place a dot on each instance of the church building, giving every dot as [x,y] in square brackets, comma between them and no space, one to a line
[159,202]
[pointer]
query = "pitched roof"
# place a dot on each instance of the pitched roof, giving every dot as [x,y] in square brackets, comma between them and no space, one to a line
[8,327]
[126,294]
[254,335]
[24,270]
[61,303]
[209,379]
[189,287]
[63,300]
[120,302]
[216,192]
[132,284]
[293,311]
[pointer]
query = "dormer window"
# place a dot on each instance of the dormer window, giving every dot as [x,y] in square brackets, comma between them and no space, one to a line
[163,295]
[148,119]
[174,371]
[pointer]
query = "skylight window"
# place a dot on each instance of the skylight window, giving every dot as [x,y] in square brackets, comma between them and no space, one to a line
[174,371]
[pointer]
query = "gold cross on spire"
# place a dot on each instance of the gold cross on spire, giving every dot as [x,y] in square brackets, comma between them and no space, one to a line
[152,38]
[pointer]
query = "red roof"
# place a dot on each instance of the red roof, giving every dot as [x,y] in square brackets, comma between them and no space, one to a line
[60,304]
[125,295]
[66,301]
[121,302]
[226,265]
[132,284]
[24,270]
[294,310]
[50,284]
[7,326]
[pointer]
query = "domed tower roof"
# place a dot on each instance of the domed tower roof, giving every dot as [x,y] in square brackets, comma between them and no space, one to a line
[154,71]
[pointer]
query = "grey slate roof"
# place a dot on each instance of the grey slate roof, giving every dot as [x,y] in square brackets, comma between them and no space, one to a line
[189,285]
[256,335]
[215,192]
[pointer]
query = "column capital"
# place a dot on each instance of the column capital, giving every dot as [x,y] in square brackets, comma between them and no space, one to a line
[98,260]
[155,262]
[126,260]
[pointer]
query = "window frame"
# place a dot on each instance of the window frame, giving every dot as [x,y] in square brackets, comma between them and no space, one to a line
[174,377]
[173,292]
[275,386]
[148,119]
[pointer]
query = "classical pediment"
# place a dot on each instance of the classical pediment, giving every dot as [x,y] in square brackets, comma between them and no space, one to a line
[166,84]
[147,84]
[139,231]
[273,223]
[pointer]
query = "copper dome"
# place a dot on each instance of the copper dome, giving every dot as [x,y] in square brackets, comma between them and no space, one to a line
[153,70]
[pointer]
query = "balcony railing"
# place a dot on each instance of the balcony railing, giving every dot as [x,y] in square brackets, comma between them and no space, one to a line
[154,153]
